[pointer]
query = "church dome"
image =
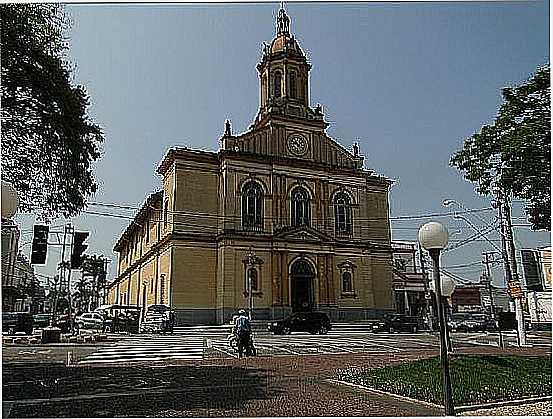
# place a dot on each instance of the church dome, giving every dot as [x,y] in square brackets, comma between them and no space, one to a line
[285,42]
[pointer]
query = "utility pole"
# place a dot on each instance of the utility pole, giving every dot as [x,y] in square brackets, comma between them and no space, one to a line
[514,272]
[508,253]
[490,290]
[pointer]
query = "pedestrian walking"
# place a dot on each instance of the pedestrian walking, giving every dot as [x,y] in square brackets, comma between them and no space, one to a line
[243,330]
[171,321]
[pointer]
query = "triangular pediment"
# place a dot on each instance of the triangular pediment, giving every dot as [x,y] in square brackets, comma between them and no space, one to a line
[303,233]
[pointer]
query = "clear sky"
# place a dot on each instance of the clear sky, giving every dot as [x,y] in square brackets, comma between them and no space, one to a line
[409,81]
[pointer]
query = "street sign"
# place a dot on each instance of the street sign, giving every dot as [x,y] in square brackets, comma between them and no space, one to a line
[515,291]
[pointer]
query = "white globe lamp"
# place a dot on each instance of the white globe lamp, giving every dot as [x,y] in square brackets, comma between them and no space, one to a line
[447,285]
[10,200]
[433,235]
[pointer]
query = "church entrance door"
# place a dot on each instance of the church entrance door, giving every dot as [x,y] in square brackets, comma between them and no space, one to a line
[302,275]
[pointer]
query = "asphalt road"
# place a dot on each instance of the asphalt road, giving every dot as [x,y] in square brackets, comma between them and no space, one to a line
[194,344]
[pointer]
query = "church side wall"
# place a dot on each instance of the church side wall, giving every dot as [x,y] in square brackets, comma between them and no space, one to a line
[193,282]
[196,198]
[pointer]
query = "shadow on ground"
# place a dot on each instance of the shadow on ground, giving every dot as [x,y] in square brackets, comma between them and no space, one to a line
[128,391]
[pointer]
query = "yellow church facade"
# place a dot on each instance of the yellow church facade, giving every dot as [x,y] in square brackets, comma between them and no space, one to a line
[280,219]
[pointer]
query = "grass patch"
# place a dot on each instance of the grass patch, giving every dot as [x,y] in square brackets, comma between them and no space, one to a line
[475,379]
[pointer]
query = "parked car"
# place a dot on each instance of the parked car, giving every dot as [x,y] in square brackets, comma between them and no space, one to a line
[471,322]
[456,322]
[396,323]
[311,322]
[94,321]
[17,322]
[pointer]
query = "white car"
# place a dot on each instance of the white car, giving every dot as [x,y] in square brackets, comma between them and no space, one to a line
[93,321]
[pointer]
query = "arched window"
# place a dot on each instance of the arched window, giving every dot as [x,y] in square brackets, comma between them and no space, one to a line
[300,207]
[252,206]
[278,84]
[293,88]
[254,278]
[342,214]
[347,283]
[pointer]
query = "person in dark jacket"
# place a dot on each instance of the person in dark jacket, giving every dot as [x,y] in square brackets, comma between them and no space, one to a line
[243,330]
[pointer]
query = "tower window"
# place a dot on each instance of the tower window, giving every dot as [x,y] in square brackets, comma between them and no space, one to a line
[342,214]
[300,207]
[293,87]
[278,84]
[252,206]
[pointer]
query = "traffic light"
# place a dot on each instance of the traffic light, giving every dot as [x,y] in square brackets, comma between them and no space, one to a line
[40,244]
[78,249]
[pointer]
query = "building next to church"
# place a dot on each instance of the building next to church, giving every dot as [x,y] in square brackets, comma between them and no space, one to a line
[281,218]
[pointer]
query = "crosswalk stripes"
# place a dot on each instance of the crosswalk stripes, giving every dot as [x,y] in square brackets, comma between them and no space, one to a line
[147,349]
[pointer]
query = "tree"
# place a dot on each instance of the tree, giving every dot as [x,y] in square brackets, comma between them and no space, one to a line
[514,153]
[94,267]
[48,140]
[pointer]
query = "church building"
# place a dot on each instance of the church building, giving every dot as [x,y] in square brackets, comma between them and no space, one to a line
[280,219]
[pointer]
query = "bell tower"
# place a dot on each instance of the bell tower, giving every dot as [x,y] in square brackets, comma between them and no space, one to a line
[284,78]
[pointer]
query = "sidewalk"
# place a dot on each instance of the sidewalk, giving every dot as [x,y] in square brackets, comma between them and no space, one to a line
[251,387]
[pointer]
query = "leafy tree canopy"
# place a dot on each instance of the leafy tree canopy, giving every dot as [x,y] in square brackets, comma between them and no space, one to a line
[48,140]
[514,153]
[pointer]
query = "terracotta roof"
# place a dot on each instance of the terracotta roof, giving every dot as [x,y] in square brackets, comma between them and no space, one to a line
[285,43]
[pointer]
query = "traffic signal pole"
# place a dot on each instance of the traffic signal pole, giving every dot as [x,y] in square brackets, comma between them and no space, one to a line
[69,297]
[62,278]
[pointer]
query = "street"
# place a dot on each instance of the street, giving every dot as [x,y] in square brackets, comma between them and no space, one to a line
[211,342]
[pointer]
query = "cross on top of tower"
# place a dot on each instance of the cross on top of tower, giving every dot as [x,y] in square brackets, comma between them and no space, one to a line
[283,22]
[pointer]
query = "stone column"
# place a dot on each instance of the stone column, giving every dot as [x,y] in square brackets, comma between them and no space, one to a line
[284,277]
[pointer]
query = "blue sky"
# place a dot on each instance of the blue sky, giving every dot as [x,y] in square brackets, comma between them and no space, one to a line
[409,81]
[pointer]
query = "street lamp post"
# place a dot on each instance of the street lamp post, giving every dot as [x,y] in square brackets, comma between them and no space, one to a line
[447,286]
[434,237]
[250,265]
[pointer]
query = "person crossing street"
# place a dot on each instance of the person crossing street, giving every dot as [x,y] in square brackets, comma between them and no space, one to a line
[243,331]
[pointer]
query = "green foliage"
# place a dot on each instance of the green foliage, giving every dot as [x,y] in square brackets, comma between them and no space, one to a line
[93,267]
[48,140]
[475,378]
[514,153]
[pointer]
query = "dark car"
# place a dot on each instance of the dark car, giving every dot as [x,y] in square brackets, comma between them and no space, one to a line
[472,322]
[397,323]
[311,322]
[17,322]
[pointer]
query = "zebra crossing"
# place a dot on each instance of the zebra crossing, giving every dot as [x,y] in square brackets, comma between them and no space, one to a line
[194,345]
[147,348]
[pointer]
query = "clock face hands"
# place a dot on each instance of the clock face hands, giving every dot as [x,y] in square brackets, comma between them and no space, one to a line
[297,145]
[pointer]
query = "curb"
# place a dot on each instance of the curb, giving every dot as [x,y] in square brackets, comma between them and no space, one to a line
[395,396]
[501,404]
[458,409]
